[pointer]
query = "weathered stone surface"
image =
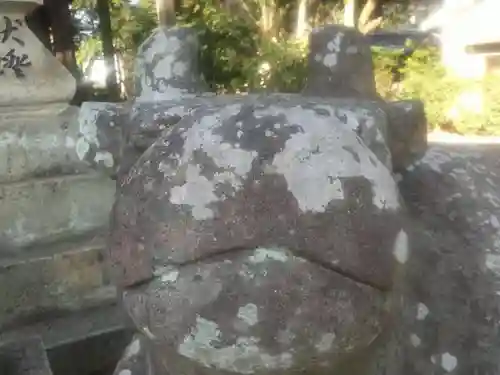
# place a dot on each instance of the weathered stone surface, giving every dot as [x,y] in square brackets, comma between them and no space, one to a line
[453,312]
[149,120]
[199,186]
[41,209]
[340,64]
[257,310]
[24,357]
[261,234]
[74,327]
[270,234]
[167,65]
[53,279]
[34,146]
[100,135]
[39,79]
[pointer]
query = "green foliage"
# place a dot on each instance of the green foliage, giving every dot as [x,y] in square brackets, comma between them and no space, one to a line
[491,115]
[130,25]
[451,103]
[385,63]
[237,57]
[283,66]
[426,79]
[421,77]
[228,46]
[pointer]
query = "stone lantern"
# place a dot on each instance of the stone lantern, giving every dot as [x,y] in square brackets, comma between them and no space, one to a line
[53,208]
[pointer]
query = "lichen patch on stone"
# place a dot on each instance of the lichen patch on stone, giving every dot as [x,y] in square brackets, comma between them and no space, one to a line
[249,314]
[422,311]
[170,277]
[261,255]
[133,349]
[319,155]
[492,262]
[415,340]
[401,247]
[326,342]
[333,46]
[448,362]
[105,157]
[244,357]
[233,162]
[197,192]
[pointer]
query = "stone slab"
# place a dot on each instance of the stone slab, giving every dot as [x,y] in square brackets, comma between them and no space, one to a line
[35,287]
[58,331]
[46,208]
[33,146]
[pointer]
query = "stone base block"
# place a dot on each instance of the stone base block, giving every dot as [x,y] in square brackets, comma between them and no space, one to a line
[49,208]
[52,280]
[34,146]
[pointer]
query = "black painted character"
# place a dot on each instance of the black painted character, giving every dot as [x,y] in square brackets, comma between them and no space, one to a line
[15,62]
[10,27]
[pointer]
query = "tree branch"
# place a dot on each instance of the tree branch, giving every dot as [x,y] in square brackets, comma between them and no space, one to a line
[367,12]
[371,25]
[248,12]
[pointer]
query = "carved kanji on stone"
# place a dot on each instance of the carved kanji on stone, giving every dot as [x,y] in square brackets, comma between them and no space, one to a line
[31,76]
[15,62]
[9,29]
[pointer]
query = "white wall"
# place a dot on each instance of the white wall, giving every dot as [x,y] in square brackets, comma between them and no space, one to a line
[462,23]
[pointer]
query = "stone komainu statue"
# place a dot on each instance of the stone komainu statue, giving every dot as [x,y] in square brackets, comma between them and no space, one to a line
[260,234]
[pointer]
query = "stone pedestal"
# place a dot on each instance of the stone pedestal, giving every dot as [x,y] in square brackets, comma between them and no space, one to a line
[53,208]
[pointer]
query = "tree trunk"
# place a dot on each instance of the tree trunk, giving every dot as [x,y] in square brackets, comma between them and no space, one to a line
[301,24]
[108,49]
[351,12]
[363,19]
[39,23]
[366,21]
[63,33]
[165,10]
